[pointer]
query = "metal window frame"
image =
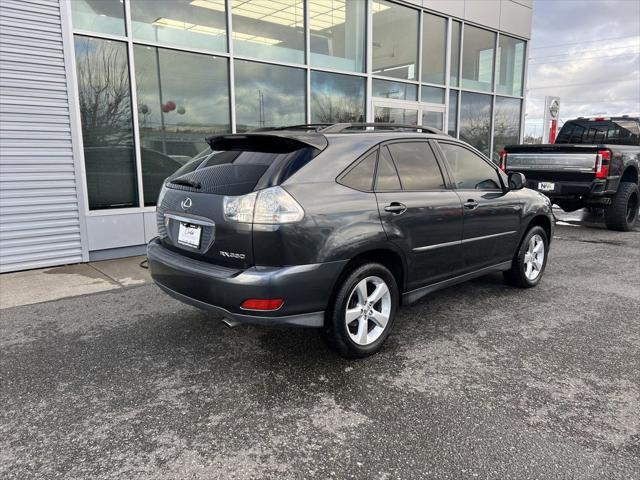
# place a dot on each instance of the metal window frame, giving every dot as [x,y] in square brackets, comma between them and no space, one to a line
[368,75]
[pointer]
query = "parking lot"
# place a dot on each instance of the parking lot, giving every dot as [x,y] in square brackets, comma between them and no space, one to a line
[478,380]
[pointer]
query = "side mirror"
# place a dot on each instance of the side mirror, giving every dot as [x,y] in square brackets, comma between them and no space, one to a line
[517,181]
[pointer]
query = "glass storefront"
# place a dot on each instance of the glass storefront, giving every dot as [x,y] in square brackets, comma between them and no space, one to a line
[156,77]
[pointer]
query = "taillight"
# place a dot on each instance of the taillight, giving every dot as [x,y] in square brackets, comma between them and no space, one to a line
[603,158]
[503,160]
[262,304]
[271,206]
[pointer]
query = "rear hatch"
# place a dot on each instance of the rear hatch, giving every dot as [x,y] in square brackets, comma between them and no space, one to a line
[190,213]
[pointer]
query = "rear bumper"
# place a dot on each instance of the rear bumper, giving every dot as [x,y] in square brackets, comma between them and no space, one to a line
[305,288]
[572,189]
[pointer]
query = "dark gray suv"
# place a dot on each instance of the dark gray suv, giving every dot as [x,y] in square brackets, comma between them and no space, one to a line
[335,226]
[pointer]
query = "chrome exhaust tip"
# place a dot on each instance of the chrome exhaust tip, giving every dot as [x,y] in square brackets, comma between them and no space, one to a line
[230,322]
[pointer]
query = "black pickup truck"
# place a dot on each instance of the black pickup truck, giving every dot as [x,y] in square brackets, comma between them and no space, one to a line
[593,163]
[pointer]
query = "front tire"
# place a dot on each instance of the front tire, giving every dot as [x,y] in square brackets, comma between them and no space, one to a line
[622,214]
[530,260]
[362,314]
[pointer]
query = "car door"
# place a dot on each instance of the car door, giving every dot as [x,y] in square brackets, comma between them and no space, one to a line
[492,214]
[419,212]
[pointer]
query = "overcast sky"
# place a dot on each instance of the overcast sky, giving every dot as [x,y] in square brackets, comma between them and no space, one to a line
[587,52]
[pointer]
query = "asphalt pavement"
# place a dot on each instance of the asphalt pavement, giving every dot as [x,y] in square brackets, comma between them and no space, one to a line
[479,380]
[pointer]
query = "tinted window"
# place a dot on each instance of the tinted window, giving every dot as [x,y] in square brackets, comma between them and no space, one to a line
[387,176]
[417,166]
[360,177]
[623,132]
[469,170]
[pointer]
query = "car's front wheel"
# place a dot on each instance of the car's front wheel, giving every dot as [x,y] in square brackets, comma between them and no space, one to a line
[530,260]
[363,311]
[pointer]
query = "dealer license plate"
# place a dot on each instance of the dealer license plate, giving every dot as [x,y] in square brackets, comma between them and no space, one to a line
[189,235]
[546,186]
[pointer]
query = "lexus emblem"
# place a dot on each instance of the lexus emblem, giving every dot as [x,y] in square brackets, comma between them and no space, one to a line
[186,203]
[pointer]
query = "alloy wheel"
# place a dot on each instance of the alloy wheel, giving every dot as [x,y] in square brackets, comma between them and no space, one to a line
[368,310]
[534,257]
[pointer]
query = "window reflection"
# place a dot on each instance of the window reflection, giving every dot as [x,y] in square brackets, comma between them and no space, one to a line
[510,66]
[434,41]
[475,120]
[395,40]
[432,94]
[453,112]
[336,98]
[188,23]
[107,133]
[395,90]
[177,111]
[103,16]
[506,124]
[268,95]
[269,30]
[433,119]
[477,58]
[337,34]
[396,115]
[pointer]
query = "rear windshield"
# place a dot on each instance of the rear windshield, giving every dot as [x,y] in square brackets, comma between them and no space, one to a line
[620,132]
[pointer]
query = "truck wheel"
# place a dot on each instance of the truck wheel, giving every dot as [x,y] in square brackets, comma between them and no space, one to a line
[363,311]
[622,214]
[530,259]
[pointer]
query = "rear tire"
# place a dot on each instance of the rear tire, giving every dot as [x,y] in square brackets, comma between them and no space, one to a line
[622,214]
[362,313]
[530,260]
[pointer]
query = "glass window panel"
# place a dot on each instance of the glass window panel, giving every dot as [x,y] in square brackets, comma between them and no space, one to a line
[434,50]
[268,95]
[104,96]
[103,16]
[387,176]
[475,120]
[455,53]
[395,90]
[195,23]
[453,112]
[396,115]
[506,124]
[337,34]
[433,119]
[432,94]
[395,40]
[360,177]
[176,111]
[269,30]
[477,58]
[470,172]
[510,65]
[416,166]
[337,98]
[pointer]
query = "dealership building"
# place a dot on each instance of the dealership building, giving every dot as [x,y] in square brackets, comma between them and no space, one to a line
[100,100]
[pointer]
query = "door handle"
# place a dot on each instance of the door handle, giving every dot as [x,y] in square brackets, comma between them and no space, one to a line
[471,204]
[396,208]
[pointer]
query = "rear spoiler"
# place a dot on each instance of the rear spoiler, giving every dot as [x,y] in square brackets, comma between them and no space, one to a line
[274,142]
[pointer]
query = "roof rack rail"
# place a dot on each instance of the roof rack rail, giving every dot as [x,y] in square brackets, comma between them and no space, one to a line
[341,127]
[304,126]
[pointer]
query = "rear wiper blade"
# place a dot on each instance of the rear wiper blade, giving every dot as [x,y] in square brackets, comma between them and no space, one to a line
[187,183]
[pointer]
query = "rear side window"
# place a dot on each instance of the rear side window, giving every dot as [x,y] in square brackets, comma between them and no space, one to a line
[417,166]
[387,178]
[621,132]
[469,170]
[360,177]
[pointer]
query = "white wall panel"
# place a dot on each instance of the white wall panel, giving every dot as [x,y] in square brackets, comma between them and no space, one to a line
[114,231]
[515,18]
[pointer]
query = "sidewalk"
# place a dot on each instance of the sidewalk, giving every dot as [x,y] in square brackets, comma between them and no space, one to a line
[35,286]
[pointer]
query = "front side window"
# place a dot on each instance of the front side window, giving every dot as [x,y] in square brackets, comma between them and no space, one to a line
[469,170]
[417,166]
[337,34]
[395,40]
[107,126]
[268,95]
[176,113]
[191,24]
[387,176]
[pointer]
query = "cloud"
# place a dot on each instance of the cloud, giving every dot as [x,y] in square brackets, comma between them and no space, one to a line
[587,52]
